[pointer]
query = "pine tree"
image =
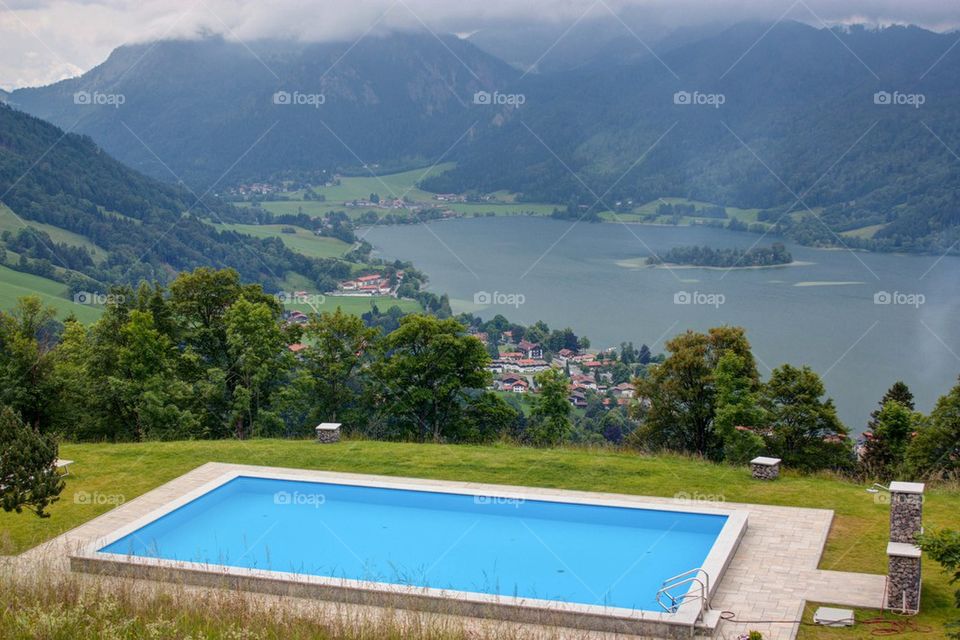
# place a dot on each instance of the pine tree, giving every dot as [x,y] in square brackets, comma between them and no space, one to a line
[899,392]
[28,472]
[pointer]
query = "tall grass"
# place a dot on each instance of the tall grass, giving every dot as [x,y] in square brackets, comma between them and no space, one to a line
[44,602]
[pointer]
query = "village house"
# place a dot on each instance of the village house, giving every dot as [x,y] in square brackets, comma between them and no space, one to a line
[508,382]
[520,386]
[530,350]
[578,399]
[624,390]
[479,335]
[369,285]
[297,348]
[585,381]
[296,317]
[526,365]
[495,366]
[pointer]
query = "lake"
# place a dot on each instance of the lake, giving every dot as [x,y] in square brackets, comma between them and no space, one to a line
[862,320]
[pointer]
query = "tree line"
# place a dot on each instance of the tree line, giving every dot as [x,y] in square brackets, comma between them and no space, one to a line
[776,254]
[707,399]
[210,357]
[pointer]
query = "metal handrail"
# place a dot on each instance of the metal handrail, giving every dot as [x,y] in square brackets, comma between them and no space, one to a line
[697,570]
[687,577]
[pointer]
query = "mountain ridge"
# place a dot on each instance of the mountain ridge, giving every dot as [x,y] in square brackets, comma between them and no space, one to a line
[798,118]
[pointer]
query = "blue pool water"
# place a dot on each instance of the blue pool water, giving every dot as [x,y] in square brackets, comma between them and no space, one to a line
[554,551]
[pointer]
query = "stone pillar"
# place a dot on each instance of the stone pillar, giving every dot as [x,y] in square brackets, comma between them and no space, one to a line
[765,468]
[328,432]
[903,581]
[906,511]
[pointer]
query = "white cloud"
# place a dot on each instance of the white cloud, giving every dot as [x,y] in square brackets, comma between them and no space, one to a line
[47,40]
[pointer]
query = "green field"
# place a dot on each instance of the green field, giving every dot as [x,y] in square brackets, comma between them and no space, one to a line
[390,185]
[639,214]
[10,222]
[14,285]
[360,188]
[863,232]
[303,241]
[857,540]
[394,185]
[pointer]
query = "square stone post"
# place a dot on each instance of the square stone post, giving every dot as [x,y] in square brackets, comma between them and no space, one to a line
[764,468]
[906,511]
[903,579]
[328,432]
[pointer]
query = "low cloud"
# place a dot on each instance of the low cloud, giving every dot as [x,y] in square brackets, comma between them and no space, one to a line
[41,42]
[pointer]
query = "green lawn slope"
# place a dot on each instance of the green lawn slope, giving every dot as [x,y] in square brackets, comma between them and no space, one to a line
[857,541]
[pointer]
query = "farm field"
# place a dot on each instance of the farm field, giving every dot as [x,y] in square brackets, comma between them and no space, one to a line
[302,241]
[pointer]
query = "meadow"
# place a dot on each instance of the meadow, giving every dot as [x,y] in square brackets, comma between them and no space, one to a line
[857,540]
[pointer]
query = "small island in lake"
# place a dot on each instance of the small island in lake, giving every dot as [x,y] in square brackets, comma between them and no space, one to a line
[775,255]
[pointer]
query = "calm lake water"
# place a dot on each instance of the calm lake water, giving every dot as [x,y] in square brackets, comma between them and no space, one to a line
[822,312]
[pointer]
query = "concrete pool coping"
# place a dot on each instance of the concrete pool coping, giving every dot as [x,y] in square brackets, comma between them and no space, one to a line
[528,610]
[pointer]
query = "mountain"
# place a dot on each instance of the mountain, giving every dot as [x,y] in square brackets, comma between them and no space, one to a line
[805,114]
[793,113]
[194,109]
[72,213]
[591,43]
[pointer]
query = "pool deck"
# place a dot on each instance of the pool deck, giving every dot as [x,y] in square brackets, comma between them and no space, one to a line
[772,574]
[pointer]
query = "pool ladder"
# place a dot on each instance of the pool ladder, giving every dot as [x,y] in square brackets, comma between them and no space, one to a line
[698,588]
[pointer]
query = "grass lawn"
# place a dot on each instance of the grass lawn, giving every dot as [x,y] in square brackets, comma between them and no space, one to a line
[857,540]
[303,241]
[14,285]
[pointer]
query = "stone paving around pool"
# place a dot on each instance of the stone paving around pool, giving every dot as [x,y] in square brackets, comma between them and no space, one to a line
[773,573]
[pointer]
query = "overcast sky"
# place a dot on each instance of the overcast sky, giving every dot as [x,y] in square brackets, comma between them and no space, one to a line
[46,40]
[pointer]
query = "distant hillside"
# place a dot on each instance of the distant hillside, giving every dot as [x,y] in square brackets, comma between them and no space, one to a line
[798,118]
[64,203]
[201,107]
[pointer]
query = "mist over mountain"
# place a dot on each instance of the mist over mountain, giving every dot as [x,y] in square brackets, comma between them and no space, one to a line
[194,110]
[786,118]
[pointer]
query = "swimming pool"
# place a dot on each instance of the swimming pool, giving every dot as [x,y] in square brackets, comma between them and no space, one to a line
[517,547]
